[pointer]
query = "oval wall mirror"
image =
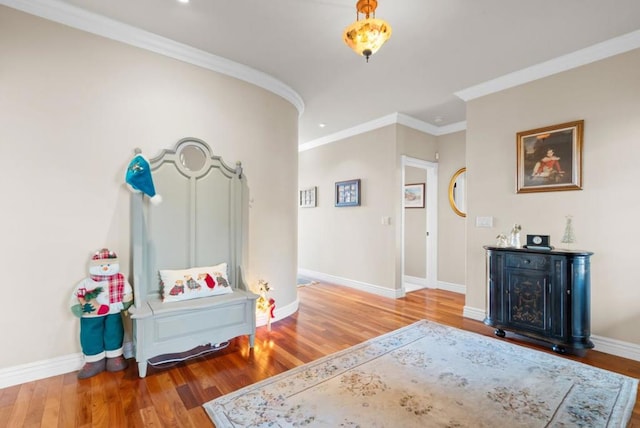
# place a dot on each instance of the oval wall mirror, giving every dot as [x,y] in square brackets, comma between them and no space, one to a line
[457,187]
[192,157]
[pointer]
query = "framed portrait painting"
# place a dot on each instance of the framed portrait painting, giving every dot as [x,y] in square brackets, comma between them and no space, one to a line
[414,195]
[550,159]
[348,193]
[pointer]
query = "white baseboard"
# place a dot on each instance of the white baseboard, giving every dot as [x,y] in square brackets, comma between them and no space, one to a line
[473,313]
[417,281]
[40,369]
[602,344]
[455,288]
[279,313]
[358,285]
[441,285]
[616,347]
[127,348]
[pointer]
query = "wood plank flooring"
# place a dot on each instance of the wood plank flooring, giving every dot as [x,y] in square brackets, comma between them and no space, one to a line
[330,318]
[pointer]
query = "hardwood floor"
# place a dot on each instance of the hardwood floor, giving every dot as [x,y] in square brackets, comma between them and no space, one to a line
[330,318]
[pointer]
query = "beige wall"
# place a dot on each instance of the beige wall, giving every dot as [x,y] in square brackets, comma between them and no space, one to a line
[73,106]
[415,230]
[350,242]
[451,227]
[605,213]
[416,144]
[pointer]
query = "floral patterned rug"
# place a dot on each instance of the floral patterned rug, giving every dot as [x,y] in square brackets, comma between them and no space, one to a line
[431,375]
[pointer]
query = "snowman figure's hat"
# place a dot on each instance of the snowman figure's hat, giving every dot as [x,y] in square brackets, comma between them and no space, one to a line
[139,178]
[104,256]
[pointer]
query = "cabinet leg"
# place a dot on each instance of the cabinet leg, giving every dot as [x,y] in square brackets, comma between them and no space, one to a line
[142,369]
[559,349]
[500,333]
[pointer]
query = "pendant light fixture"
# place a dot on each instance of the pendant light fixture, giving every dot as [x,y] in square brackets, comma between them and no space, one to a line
[366,36]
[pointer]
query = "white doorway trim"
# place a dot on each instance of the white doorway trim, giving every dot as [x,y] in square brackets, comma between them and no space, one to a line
[431,218]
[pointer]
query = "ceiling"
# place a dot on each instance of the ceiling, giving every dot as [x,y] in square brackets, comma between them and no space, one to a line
[438,47]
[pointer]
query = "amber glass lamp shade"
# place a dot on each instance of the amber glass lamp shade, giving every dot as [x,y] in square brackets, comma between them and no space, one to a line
[366,36]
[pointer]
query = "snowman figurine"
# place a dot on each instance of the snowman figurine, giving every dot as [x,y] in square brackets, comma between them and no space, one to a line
[98,301]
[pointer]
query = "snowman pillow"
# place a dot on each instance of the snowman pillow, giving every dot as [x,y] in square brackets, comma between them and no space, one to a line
[194,283]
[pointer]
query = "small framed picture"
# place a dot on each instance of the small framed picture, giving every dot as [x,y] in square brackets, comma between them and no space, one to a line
[414,195]
[307,197]
[347,193]
[550,158]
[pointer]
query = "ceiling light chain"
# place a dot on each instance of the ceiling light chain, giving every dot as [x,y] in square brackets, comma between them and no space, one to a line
[367,36]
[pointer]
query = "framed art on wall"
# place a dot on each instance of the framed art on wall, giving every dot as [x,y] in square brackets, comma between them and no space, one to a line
[550,158]
[414,195]
[307,198]
[347,193]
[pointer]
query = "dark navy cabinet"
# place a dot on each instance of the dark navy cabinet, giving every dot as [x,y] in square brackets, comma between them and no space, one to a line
[540,294]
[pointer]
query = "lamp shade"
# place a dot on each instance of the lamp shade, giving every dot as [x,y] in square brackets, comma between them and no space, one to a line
[367,36]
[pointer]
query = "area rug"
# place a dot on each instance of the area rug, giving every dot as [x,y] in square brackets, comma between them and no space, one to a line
[301,282]
[431,375]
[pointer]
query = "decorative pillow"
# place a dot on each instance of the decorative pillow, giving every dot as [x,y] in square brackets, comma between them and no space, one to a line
[193,283]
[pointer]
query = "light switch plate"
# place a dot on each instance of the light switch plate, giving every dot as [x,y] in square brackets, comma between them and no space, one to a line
[484,221]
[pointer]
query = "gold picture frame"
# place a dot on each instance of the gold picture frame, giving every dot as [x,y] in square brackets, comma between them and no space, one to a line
[549,159]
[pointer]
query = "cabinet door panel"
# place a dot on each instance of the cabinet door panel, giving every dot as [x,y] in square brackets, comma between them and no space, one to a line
[528,300]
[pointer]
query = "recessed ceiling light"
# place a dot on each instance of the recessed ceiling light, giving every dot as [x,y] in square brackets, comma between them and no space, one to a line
[183,1]
[322,125]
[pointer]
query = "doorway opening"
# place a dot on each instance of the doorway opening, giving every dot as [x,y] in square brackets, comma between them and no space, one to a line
[419,258]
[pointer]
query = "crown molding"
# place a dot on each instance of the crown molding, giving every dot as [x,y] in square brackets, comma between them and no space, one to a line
[425,127]
[597,52]
[72,16]
[350,132]
[390,119]
[451,128]
[412,122]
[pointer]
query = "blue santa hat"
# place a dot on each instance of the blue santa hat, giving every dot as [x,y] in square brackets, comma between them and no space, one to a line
[139,178]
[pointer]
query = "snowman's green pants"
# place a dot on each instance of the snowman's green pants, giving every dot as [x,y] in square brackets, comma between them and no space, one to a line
[101,337]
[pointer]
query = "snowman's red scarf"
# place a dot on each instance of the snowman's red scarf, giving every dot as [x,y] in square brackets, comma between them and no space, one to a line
[116,285]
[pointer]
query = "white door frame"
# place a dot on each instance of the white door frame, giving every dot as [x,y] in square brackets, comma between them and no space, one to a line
[431,217]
